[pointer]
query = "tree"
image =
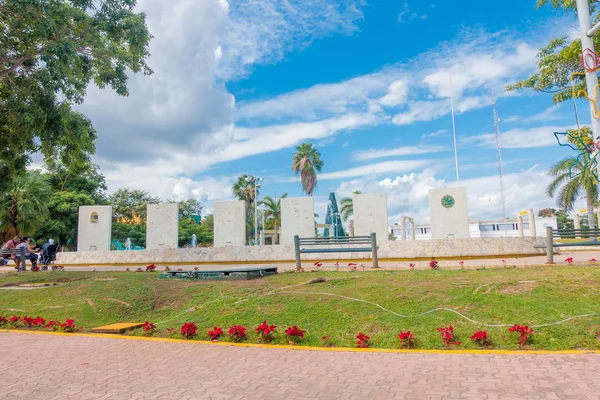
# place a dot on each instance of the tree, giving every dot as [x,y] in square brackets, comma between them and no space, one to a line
[559,59]
[547,212]
[347,206]
[129,206]
[51,51]
[24,206]
[243,189]
[188,228]
[306,163]
[273,212]
[188,208]
[569,189]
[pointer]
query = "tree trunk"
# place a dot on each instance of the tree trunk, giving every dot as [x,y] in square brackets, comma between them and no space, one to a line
[590,213]
[276,236]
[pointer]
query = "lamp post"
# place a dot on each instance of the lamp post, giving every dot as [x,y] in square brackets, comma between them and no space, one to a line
[254,180]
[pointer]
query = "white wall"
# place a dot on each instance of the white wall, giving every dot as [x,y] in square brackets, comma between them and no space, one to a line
[449,222]
[94,228]
[230,223]
[370,215]
[297,218]
[162,226]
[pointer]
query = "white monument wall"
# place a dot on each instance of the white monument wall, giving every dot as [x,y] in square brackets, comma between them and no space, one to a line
[230,223]
[449,221]
[162,226]
[94,228]
[297,218]
[370,215]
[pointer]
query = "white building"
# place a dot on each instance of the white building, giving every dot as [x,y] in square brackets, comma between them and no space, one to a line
[484,229]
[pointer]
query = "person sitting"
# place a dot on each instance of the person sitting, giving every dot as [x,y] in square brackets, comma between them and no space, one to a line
[47,254]
[29,254]
[10,245]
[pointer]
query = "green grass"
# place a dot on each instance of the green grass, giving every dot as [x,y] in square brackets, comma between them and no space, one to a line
[558,292]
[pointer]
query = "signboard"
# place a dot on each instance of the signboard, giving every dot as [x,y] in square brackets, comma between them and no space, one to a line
[523,213]
[582,211]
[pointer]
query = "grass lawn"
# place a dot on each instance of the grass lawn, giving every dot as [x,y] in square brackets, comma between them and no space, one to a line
[527,296]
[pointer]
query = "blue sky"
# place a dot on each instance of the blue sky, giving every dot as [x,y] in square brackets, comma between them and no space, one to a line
[238,84]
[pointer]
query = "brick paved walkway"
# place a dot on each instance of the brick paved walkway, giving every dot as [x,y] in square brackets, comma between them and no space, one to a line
[58,367]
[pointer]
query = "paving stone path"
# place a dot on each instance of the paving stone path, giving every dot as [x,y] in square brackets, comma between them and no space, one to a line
[76,367]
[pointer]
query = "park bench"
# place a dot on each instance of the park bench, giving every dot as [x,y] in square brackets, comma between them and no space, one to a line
[551,234]
[323,245]
[13,255]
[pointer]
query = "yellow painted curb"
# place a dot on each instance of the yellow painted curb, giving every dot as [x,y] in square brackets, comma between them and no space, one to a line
[305,348]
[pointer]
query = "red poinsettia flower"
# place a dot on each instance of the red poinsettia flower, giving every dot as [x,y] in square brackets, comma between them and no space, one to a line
[189,329]
[265,331]
[411,265]
[215,333]
[14,319]
[569,260]
[433,264]
[481,338]
[237,333]
[447,334]
[3,320]
[151,268]
[39,321]
[68,325]
[53,324]
[27,321]
[362,340]
[294,332]
[462,263]
[317,264]
[148,327]
[525,332]
[407,339]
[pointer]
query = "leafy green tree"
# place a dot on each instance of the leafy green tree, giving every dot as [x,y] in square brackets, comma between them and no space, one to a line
[559,59]
[273,213]
[129,206]
[243,189]
[187,228]
[189,208]
[547,212]
[306,163]
[347,206]
[51,50]
[569,189]
[24,205]
[137,233]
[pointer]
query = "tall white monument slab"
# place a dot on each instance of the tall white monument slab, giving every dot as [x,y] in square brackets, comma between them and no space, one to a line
[94,228]
[370,215]
[297,218]
[449,213]
[230,223]
[162,226]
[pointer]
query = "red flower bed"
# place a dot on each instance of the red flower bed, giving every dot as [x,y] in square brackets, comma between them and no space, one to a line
[215,333]
[189,330]
[151,268]
[149,328]
[237,333]
[481,338]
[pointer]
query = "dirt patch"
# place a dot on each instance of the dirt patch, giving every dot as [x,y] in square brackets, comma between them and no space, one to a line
[120,302]
[518,288]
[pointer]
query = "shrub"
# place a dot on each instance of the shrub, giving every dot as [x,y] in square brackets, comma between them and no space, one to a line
[53,325]
[265,331]
[524,331]
[68,325]
[39,321]
[149,328]
[237,333]
[362,340]
[188,330]
[294,333]
[150,268]
[433,264]
[215,333]
[448,336]
[407,339]
[569,260]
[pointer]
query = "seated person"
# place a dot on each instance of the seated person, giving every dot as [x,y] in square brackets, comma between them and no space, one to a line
[29,253]
[10,245]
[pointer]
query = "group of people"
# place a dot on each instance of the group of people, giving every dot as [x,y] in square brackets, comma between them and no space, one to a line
[12,250]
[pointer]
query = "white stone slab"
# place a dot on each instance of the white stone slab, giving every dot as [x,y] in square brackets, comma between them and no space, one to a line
[370,215]
[162,226]
[94,229]
[449,213]
[297,218]
[230,223]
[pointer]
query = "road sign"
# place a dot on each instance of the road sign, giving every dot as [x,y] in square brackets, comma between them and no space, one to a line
[522,213]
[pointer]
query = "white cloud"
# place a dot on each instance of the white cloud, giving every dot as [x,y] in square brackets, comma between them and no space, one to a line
[437,133]
[549,114]
[397,94]
[541,136]
[377,169]
[396,152]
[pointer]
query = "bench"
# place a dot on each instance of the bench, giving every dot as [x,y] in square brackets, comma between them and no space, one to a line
[591,234]
[321,245]
[12,254]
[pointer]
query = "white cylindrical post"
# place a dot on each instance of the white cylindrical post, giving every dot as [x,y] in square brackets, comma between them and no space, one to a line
[532,229]
[591,78]
[403,227]
[411,223]
[520,225]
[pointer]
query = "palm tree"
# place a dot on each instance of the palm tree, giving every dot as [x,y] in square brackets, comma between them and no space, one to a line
[243,189]
[273,212]
[24,205]
[347,209]
[573,176]
[306,163]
